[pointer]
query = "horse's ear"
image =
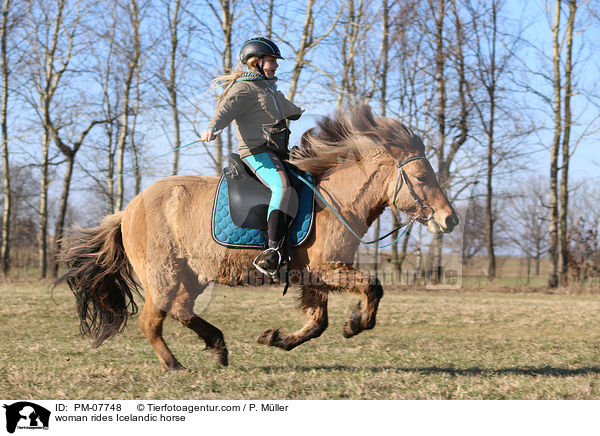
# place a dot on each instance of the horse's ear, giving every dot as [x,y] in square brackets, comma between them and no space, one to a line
[363,120]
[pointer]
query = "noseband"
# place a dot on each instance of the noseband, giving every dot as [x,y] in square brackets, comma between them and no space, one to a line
[425,213]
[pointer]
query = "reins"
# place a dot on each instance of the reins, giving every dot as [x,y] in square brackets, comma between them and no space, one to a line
[401,176]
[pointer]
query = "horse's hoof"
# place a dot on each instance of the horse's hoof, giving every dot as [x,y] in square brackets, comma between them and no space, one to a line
[174,366]
[221,356]
[351,328]
[268,337]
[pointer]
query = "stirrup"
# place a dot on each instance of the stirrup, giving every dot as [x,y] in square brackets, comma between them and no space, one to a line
[261,255]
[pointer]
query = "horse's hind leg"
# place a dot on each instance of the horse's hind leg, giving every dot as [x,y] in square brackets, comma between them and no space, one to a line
[212,336]
[151,322]
[314,305]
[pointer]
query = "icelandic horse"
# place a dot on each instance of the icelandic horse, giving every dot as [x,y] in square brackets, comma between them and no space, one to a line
[162,241]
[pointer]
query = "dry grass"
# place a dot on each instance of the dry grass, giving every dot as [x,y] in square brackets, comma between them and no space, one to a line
[427,345]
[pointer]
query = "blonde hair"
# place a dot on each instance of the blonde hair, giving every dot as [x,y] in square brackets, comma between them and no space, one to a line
[227,80]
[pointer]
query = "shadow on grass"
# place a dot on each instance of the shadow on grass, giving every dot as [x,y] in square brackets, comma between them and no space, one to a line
[543,371]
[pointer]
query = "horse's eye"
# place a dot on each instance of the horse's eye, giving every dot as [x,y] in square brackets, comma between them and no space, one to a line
[422,178]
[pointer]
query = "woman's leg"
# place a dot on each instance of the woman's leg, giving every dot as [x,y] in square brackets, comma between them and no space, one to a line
[283,205]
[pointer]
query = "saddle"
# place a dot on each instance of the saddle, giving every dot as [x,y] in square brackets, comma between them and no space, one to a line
[239,217]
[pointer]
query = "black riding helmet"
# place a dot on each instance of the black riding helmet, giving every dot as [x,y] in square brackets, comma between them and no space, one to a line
[259,47]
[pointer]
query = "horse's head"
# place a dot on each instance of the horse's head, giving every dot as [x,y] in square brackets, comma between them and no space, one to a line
[414,189]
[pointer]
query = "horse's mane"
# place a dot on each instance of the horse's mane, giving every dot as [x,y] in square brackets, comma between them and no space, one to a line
[348,139]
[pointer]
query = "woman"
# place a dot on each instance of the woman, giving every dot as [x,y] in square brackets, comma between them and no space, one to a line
[259,111]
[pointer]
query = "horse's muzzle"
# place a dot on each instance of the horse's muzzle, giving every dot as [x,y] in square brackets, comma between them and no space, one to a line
[451,222]
[439,225]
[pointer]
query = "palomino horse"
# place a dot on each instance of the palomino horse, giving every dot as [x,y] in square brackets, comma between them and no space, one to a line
[162,240]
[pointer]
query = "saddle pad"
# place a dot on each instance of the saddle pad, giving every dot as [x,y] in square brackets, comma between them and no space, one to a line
[225,232]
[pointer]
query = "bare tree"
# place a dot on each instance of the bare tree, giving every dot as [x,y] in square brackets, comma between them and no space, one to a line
[51,34]
[406,44]
[308,42]
[564,183]
[170,78]
[69,152]
[554,152]
[106,60]
[354,22]
[384,58]
[224,15]
[526,211]
[455,128]
[133,54]
[264,15]
[493,51]
[6,215]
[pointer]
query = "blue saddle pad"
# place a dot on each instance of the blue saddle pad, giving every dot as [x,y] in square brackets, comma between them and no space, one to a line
[226,233]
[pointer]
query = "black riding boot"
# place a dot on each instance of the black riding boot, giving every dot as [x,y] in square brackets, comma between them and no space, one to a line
[277,226]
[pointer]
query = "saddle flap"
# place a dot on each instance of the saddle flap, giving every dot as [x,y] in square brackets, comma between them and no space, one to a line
[248,203]
[248,197]
[241,203]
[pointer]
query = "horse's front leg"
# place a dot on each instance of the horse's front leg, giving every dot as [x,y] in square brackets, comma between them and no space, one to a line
[345,277]
[313,303]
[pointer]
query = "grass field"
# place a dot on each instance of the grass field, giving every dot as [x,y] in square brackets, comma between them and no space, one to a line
[427,345]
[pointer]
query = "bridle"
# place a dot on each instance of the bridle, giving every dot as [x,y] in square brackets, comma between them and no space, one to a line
[425,213]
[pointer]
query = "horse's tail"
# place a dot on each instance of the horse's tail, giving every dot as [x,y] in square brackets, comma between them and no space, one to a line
[100,277]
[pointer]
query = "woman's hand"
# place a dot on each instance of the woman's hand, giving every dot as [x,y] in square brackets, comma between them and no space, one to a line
[207,135]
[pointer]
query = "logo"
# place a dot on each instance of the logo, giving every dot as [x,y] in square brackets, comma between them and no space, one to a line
[25,415]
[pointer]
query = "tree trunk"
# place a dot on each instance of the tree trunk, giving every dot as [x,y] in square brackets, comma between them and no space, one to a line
[553,224]
[7,212]
[269,20]
[227,23]
[491,89]
[48,78]
[108,110]
[172,86]
[132,66]
[385,47]
[307,42]
[110,170]
[137,170]
[437,243]
[395,255]
[383,98]
[43,212]
[376,250]
[404,250]
[564,183]
[348,55]
[62,212]
[69,153]
[307,31]
[491,275]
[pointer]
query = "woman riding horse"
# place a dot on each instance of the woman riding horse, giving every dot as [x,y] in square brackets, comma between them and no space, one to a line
[161,240]
[259,111]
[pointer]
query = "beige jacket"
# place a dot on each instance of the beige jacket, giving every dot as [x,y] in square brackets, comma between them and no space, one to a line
[255,107]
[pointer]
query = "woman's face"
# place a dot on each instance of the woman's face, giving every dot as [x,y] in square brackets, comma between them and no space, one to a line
[269,66]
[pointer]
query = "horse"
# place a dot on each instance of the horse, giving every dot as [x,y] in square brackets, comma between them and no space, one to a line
[161,242]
